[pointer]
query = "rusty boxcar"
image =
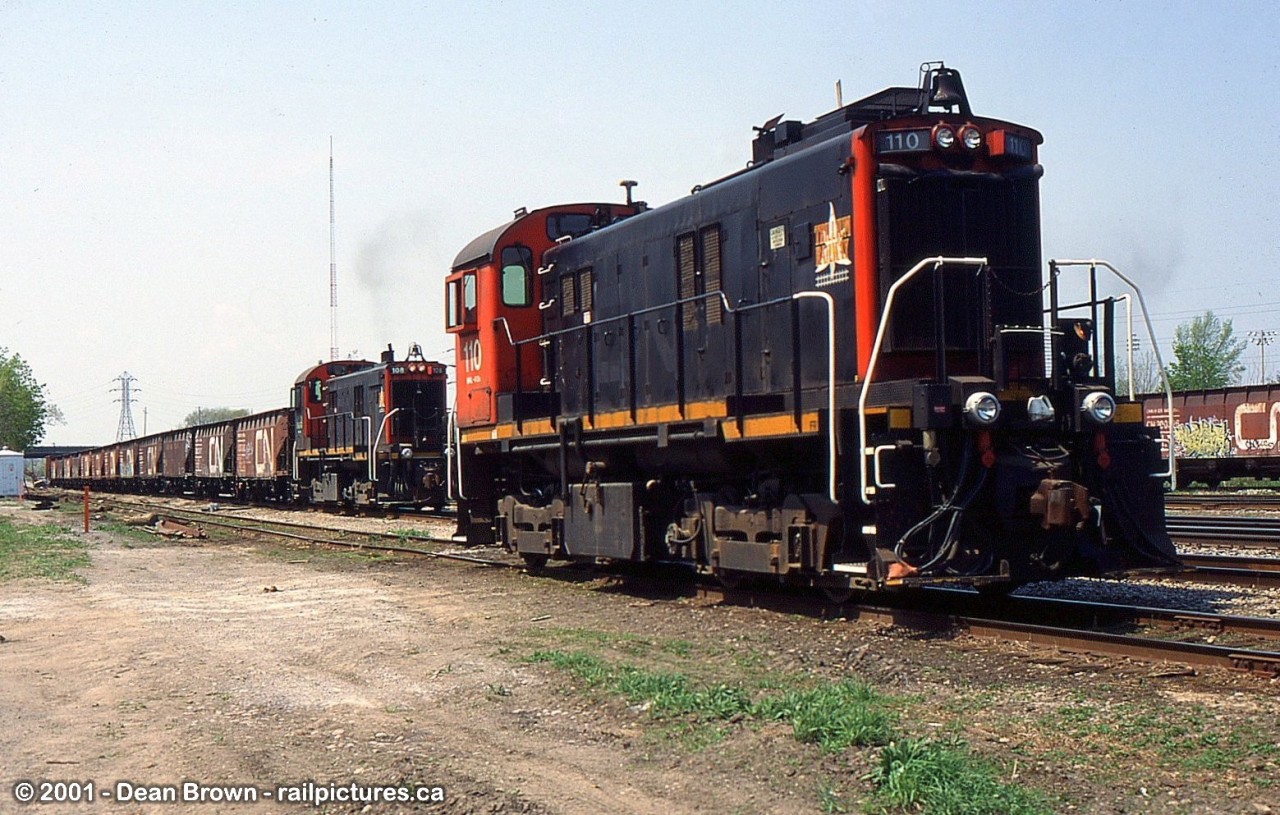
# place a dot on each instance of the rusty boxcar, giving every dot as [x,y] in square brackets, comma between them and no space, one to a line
[1220,433]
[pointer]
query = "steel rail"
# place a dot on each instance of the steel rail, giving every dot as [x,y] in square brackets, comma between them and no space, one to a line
[1228,500]
[261,525]
[1265,663]
[1225,530]
[945,617]
[1246,572]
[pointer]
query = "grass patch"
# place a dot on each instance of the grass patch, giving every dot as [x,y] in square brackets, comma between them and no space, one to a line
[833,717]
[945,779]
[662,693]
[1188,737]
[917,776]
[321,554]
[48,551]
[630,644]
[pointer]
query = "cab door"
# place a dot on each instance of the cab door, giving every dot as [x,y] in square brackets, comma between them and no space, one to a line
[475,381]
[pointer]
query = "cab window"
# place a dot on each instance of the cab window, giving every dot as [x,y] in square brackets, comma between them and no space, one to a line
[469,298]
[460,301]
[517,276]
[453,315]
[572,224]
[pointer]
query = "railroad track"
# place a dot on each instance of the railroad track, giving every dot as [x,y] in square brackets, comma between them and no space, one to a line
[1227,530]
[228,503]
[406,543]
[1169,635]
[1232,570]
[1228,501]
[1236,571]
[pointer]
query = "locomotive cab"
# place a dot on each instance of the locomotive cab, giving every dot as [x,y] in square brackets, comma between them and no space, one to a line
[494,299]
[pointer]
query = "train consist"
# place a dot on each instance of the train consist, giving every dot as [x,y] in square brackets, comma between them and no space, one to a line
[356,432]
[834,367]
[1220,434]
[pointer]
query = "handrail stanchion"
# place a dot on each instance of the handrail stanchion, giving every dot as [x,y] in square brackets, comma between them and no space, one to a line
[1172,472]
[937,262]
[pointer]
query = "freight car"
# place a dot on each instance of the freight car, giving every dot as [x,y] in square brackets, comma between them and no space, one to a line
[356,432]
[1221,433]
[829,368]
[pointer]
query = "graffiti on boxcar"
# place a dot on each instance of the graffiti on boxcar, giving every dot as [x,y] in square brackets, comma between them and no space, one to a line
[1219,431]
[1208,437]
[1256,426]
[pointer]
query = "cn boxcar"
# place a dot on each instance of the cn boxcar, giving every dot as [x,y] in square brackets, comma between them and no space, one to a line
[1221,433]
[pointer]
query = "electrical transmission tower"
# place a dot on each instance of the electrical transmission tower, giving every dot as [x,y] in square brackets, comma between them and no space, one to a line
[126,431]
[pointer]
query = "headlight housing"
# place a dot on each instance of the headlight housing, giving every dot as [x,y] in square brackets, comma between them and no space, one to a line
[1040,409]
[981,409]
[1099,407]
[971,137]
[944,137]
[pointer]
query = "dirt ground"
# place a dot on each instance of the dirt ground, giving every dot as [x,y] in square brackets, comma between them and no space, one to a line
[240,662]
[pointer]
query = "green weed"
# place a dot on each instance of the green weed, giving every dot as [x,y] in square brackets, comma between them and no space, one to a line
[832,716]
[945,779]
[47,551]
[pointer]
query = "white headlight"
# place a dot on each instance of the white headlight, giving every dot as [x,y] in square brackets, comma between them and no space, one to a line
[971,137]
[1040,409]
[945,137]
[982,408]
[1099,407]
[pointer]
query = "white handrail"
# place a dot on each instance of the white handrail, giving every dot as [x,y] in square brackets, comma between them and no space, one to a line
[1093,263]
[831,386]
[724,301]
[937,263]
[373,451]
[454,452]
[1128,339]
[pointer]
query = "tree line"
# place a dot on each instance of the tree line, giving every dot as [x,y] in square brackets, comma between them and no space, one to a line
[1206,354]
[24,410]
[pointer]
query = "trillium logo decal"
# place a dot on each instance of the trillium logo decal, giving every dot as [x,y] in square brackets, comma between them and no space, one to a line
[831,249]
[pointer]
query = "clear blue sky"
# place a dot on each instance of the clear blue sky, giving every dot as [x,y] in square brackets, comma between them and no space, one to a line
[165,190]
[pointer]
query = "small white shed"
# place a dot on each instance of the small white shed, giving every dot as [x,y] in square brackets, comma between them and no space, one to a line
[10,473]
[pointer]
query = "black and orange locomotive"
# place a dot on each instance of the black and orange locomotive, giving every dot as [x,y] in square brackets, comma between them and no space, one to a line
[842,365]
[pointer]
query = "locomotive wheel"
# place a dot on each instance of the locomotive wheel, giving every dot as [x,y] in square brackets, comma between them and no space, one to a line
[534,562]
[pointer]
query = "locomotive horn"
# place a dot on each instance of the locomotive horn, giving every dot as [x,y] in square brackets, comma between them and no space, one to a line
[628,183]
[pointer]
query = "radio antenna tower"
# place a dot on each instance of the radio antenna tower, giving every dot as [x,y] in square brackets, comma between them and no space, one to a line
[333,267]
[126,431]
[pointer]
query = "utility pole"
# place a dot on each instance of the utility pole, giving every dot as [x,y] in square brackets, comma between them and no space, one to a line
[333,267]
[1262,339]
[125,431]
